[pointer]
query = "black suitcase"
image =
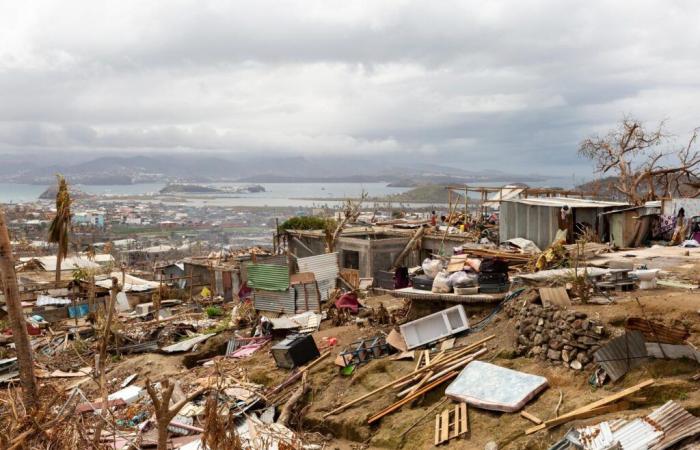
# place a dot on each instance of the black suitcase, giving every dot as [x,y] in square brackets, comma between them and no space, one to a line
[423,282]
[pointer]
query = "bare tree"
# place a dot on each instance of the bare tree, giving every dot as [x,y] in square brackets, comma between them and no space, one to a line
[25,357]
[351,211]
[631,153]
[164,412]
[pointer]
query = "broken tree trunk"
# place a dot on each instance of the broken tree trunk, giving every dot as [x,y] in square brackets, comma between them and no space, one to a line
[25,357]
[164,412]
[411,244]
[288,408]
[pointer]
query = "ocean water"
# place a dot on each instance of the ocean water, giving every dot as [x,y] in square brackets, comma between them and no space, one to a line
[276,194]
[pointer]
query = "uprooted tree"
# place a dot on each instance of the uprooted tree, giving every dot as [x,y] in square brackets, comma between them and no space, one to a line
[641,169]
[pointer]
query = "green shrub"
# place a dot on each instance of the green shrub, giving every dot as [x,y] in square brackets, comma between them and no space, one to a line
[307,223]
[214,311]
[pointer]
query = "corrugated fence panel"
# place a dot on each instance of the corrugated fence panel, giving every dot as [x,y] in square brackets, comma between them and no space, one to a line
[268,277]
[291,301]
[325,269]
[272,301]
[621,354]
[277,260]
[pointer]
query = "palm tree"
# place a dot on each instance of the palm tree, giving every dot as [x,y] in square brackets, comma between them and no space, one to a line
[60,225]
[8,281]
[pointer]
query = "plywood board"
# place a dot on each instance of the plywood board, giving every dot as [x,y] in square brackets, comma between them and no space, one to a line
[556,296]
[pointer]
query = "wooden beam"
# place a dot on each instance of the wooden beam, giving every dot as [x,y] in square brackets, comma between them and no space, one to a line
[577,413]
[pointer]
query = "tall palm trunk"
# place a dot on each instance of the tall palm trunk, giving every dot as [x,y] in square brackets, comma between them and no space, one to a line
[16,317]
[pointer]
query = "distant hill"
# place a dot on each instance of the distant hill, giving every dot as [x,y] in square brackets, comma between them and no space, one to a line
[604,188]
[193,169]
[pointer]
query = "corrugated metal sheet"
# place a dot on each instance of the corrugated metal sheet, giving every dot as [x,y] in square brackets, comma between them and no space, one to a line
[291,301]
[277,260]
[660,430]
[676,422]
[268,277]
[657,332]
[325,269]
[188,344]
[638,435]
[621,354]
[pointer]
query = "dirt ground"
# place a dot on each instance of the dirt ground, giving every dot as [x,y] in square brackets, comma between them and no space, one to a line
[412,426]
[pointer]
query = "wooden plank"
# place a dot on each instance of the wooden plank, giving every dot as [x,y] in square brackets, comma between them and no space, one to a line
[576,414]
[463,420]
[410,398]
[534,419]
[437,429]
[445,431]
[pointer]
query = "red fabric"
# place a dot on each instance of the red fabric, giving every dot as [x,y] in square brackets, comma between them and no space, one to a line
[349,301]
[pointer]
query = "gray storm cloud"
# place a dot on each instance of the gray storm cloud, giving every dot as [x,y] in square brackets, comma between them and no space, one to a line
[496,84]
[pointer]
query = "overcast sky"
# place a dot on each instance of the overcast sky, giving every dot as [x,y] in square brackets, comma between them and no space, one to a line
[490,84]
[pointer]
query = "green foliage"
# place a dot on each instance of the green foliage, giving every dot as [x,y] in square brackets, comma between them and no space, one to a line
[307,223]
[214,311]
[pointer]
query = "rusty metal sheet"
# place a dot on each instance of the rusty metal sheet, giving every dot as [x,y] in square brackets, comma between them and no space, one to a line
[677,423]
[657,332]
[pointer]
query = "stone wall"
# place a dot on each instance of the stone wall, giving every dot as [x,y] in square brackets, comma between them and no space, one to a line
[559,336]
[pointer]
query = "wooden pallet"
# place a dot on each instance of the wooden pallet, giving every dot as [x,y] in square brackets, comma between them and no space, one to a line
[451,424]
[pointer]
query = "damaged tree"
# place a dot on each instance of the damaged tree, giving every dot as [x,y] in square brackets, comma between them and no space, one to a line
[640,170]
[25,357]
[351,211]
[164,412]
[60,225]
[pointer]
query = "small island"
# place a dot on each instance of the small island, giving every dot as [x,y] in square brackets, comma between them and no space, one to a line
[189,189]
[201,189]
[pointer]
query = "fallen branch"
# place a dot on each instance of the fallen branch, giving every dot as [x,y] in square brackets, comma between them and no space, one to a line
[286,413]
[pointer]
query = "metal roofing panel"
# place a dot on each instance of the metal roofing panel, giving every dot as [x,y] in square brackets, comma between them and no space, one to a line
[638,434]
[188,344]
[291,301]
[325,269]
[278,260]
[621,354]
[275,301]
[558,202]
[268,277]
[676,422]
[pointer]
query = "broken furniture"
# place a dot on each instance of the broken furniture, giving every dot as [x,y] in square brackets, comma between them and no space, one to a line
[295,350]
[435,326]
[618,280]
[451,424]
[363,351]
[495,388]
